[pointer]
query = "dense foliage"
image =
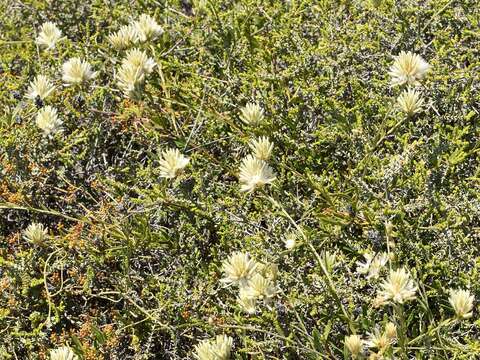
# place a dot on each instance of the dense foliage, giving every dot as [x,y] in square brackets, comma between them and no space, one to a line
[132,264]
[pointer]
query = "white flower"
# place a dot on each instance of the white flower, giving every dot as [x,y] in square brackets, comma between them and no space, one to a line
[462,303]
[246,302]
[354,344]
[47,119]
[48,36]
[408,68]
[63,353]
[410,101]
[398,287]
[252,114]
[391,331]
[147,28]
[140,59]
[262,148]
[291,240]
[41,87]
[218,349]
[35,233]
[76,71]
[124,37]
[238,269]
[171,163]
[260,287]
[378,340]
[372,265]
[255,173]
[130,80]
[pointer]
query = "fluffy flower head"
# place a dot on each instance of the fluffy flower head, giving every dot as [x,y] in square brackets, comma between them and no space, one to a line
[48,36]
[63,353]
[139,59]
[410,102]
[260,287]
[217,349]
[47,119]
[252,114]
[462,303]
[398,287]
[147,28]
[171,163]
[76,71]
[255,173]
[41,87]
[408,68]
[124,37]
[261,148]
[238,269]
[35,233]
[372,265]
[354,345]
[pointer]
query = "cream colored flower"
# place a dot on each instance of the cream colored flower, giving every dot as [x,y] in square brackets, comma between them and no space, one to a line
[77,71]
[35,233]
[462,303]
[291,240]
[171,163]
[391,331]
[63,353]
[246,302]
[47,119]
[378,340]
[140,59]
[218,349]
[41,87]
[262,148]
[147,28]
[372,265]
[260,287]
[255,173]
[398,288]
[354,345]
[130,80]
[48,36]
[408,68]
[252,114]
[410,102]
[238,269]
[123,38]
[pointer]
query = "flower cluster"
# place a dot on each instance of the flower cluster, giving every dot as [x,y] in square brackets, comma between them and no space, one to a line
[141,30]
[171,163]
[256,281]
[214,349]
[132,72]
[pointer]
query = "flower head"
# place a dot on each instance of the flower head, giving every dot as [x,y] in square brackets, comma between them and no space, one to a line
[378,340]
[130,80]
[47,119]
[408,68]
[372,265]
[217,349]
[41,87]
[261,287]
[124,37]
[262,148]
[76,71]
[398,288]
[255,173]
[147,28]
[462,303]
[35,233]
[391,331]
[252,114]
[238,269]
[63,353]
[354,345]
[48,36]
[140,60]
[410,102]
[246,301]
[171,163]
